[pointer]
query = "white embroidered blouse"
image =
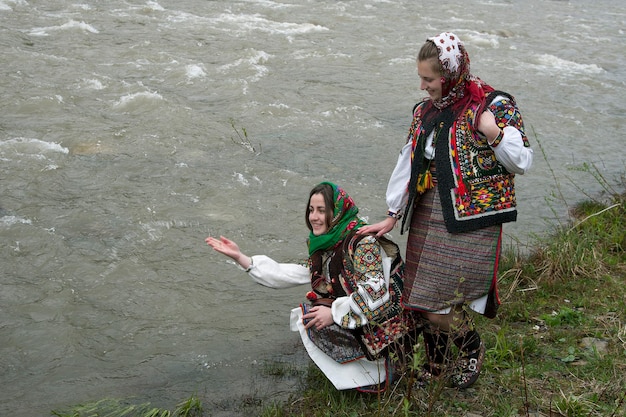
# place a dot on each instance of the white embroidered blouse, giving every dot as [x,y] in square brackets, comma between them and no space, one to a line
[371,264]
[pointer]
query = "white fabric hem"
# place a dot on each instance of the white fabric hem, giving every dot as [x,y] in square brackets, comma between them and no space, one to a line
[359,373]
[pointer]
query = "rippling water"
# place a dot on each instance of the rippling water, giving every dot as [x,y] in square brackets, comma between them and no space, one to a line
[131,130]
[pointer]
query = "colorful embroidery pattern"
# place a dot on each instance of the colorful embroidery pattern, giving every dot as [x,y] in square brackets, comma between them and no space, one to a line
[507,114]
[378,337]
[358,261]
[366,267]
[482,184]
[386,323]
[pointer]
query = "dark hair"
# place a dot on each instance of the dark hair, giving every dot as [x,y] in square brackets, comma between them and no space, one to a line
[429,51]
[329,194]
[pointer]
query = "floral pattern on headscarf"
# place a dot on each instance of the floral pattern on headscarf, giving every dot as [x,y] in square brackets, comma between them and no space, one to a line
[345,219]
[460,86]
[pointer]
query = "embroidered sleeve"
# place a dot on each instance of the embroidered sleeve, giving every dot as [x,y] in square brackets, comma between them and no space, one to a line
[514,150]
[371,296]
[507,114]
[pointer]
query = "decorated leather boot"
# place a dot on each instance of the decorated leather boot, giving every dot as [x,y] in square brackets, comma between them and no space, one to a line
[471,358]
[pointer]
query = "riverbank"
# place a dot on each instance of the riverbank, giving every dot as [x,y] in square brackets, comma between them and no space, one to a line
[556,348]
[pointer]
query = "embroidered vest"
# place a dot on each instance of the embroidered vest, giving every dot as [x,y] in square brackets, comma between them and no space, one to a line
[392,322]
[475,190]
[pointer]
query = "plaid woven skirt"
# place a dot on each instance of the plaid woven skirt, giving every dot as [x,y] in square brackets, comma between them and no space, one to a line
[445,269]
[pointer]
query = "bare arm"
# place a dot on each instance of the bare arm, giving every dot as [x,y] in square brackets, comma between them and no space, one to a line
[488,126]
[509,144]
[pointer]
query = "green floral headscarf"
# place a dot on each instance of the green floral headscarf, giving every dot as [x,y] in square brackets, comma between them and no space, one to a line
[344,221]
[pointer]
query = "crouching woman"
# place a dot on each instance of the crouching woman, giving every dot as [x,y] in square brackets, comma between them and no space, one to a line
[352,319]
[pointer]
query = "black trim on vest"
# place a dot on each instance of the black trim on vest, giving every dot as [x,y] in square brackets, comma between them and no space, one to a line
[445,185]
[445,177]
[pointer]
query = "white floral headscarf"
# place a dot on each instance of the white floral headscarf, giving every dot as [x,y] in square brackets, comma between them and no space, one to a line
[452,54]
[459,85]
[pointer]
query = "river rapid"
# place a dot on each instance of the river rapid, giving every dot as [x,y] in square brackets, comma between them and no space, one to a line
[131,130]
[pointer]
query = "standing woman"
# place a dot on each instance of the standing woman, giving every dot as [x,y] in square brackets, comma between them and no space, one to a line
[453,187]
[353,317]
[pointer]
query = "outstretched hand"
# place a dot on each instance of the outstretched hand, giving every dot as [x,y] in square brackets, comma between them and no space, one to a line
[224,246]
[379,228]
[229,248]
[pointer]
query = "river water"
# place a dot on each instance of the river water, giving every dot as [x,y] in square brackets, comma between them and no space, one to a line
[131,130]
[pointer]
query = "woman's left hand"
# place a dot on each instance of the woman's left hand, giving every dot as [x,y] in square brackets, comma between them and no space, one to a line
[319,317]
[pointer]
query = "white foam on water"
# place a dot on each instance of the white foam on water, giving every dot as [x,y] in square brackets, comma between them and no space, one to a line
[138,99]
[281,106]
[244,181]
[195,71]
[257,58]
[11,220]
[480,39]
[26,144]
[256,22]
[5,5]
[241,179]
[83,6]
[71,25]
[272,4]
[564,67]
[402,61]
[255,62]
[93,84]
[153,5]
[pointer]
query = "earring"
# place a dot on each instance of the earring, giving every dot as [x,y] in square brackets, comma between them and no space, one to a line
[443,80]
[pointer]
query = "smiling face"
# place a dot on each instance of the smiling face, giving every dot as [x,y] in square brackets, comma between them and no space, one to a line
[430,78]
[318,217]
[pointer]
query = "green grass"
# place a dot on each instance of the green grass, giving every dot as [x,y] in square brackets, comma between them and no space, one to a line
[191,407]
[556,348]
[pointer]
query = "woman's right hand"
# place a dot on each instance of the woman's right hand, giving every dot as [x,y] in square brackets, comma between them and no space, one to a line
[229,248]
[379,228]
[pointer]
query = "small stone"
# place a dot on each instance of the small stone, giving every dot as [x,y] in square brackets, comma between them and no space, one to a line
[595,344]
